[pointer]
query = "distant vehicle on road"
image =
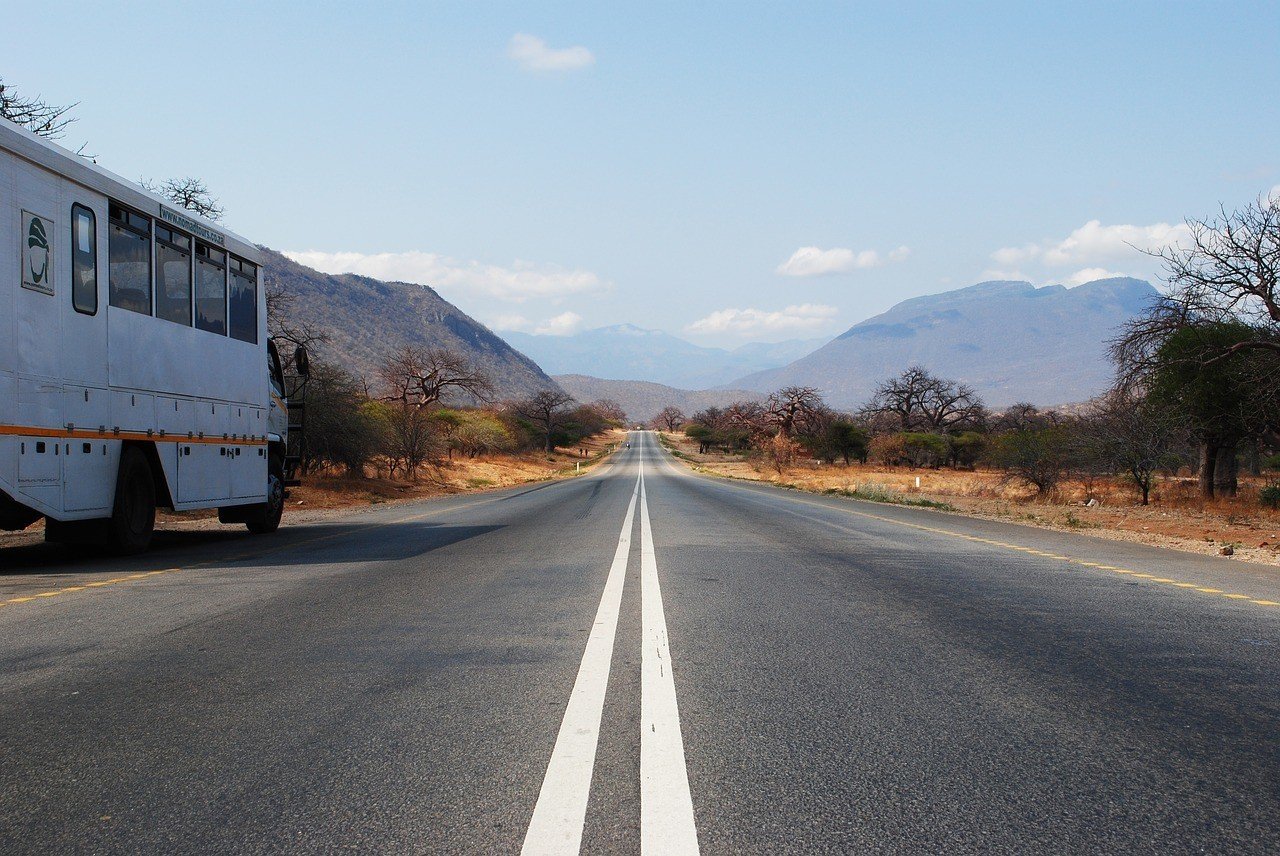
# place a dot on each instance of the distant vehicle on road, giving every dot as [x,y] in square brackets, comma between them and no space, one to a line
[135,366]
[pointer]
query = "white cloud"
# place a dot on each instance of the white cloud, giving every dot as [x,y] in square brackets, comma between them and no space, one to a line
[1095,244]
[805,317]
[522,281]
[1084,275]
[511,322]
[533,54]
[814,261]
[560,325]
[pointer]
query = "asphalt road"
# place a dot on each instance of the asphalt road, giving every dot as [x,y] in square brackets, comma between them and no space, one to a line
[619,660]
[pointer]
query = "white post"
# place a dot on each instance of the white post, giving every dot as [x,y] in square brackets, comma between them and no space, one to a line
[578,468]
[917,482]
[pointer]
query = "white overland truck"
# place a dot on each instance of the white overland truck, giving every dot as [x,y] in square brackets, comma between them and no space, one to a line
[135,366]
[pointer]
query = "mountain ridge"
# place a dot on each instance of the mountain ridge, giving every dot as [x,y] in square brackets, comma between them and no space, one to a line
[343,305]
[1009,339]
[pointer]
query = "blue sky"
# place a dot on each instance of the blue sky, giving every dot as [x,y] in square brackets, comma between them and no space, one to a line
[724,171]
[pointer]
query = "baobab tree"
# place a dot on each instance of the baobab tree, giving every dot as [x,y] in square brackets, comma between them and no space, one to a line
[670,418]
[920,401]
[546,409]
[420,378]
[790,409]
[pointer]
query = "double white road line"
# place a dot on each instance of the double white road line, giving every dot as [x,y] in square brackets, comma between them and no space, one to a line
[666,808]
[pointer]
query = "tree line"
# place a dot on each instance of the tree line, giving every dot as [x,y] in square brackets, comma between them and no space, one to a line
[427,405]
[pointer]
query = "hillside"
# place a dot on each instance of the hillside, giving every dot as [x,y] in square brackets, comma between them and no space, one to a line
[1010,340]
[641,400]
[366,319]
[628,352]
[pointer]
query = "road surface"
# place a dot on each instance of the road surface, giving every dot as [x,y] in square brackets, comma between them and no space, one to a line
[639,659]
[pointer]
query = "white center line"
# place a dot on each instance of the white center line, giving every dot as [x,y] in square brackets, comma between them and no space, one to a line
[561,810]
[666,807]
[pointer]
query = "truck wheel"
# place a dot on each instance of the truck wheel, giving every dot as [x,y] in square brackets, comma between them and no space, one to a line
[265,517]
[133,516]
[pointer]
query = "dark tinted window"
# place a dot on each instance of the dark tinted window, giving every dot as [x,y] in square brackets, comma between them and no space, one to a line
[244,300]
[173,276]
[129,260]
[84,260]
[211,289]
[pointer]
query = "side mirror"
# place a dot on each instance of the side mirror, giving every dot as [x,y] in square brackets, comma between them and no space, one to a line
[301,363]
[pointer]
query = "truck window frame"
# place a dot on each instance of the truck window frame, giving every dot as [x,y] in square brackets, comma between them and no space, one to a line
[77,210]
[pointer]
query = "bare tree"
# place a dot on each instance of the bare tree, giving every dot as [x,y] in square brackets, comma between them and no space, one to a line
[411,439]
[191,193]
[1133,436]
[546,409]
[420,378]
[1020,417]
[34,113]
[609,410]
[670,417]
[1228,273]
[790,409]
[282,318]
[744,423]
[922,402]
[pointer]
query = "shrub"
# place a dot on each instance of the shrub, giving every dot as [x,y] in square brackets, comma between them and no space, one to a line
[480,433]
[925,450]
[1039,457]
[1272,462]
[887,449]
[781,452]
[1269,496]
[967,448]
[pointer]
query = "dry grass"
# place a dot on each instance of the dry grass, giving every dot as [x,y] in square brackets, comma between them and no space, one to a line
[1177,516]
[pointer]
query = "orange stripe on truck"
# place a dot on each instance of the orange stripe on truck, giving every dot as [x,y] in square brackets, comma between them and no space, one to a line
[115,434]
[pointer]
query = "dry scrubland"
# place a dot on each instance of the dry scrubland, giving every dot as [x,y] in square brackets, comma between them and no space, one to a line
[326,495]
[457,475]
[1177,516]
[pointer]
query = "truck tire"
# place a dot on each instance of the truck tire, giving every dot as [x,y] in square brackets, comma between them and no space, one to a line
[265,517]
[133,515]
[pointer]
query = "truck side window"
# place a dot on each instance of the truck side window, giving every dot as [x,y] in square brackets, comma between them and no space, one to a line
[173,276]
[84,260]
[244,300]
[273,369]
[129,260]
[211,289]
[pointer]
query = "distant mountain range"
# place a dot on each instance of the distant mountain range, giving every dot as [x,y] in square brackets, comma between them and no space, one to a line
[1010,340]
[366,319]
[641,400]
[628,352]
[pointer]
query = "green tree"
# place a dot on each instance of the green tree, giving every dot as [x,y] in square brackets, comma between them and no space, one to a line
[1217,398]
[967,448]
[1040,457]
[343,427]
[838,438]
